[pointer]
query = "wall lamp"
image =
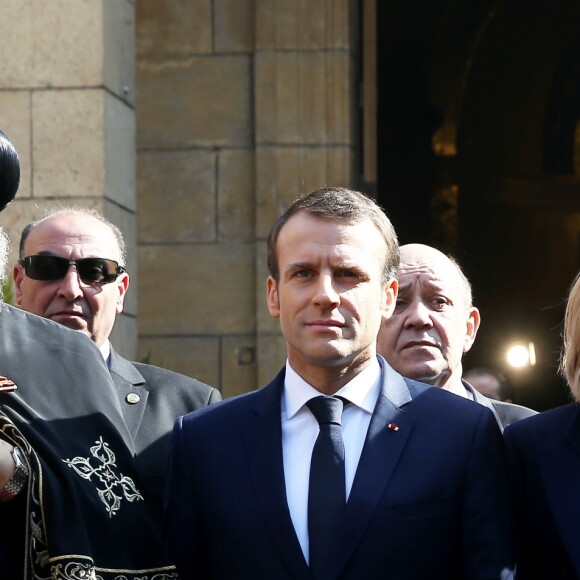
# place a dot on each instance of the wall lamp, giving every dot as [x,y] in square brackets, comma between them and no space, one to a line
[521,354]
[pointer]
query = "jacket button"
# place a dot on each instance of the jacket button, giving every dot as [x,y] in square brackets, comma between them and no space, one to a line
[132,398]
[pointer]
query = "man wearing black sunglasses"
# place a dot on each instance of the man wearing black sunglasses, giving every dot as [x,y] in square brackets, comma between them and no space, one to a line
[72,502]
[71,270]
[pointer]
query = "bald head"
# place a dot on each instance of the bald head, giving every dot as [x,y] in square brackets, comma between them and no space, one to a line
[73,234]
[441,265]
[434,322]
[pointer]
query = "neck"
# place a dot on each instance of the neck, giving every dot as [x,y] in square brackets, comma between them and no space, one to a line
[451,382]
[329,379]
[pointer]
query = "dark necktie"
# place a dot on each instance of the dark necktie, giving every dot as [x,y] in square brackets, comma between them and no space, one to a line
[326,494]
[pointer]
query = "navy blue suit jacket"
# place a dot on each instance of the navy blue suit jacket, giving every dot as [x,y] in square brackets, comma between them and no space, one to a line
[544,454]
[430,500]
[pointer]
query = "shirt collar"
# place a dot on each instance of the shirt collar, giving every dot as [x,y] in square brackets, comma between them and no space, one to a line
[105,349]
[457,388]
[362,390]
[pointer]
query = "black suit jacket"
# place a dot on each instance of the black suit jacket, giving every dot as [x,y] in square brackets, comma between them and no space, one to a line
[85,503]
[544,456]
[505,413]
[159,397]
[429,500]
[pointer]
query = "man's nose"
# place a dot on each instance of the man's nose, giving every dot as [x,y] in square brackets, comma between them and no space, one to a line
[326,294]
[70,286]
[418,314]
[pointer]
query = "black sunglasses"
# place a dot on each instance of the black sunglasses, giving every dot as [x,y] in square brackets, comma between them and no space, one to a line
[90,270]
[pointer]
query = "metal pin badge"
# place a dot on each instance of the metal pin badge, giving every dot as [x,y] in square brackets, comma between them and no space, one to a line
[393,426]
[132,398]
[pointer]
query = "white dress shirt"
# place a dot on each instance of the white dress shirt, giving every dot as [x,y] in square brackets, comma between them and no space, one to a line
[300,430]
[458,389]
[105,349]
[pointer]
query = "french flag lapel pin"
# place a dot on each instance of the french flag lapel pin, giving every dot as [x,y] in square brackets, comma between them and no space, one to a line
[393,426]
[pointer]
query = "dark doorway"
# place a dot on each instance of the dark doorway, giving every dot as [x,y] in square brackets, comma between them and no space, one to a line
[478,155]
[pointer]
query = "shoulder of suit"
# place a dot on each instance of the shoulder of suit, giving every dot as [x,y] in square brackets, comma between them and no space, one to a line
[451,408]
[232,411]
[43,330]
[553,420]
[154,374]
[517,411]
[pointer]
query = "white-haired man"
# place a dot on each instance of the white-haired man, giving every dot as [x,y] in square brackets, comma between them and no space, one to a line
[433,325]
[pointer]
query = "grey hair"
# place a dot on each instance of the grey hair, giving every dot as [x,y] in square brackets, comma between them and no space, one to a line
[466,283]
[4,249]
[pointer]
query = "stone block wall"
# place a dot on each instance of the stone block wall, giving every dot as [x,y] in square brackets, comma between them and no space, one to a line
[196,189]
[242,105]
[67,103]
[305,98]
[191,124]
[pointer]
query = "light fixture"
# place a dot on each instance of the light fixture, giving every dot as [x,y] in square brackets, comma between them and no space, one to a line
[521,354]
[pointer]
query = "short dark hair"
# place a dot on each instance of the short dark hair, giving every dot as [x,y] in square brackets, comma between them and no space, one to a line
[340,205]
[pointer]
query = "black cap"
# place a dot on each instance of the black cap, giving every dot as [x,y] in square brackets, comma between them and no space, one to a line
[9,171]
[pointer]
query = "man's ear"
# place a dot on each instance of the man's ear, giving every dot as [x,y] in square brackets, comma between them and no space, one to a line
[391,290]
[272,297]
[472,326]
[122,283]
[18,275]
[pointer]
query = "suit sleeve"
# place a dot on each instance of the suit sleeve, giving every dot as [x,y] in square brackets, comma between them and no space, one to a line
[214,397]
[182,530]
[488,514]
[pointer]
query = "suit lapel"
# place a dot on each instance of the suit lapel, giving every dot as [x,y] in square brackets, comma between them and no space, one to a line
[560,468]
[129,382]
[263,443]
[382,449]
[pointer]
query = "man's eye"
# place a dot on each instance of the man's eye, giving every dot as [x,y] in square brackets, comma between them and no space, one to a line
[400,304]
[302,273]
[349,274]
[439,303]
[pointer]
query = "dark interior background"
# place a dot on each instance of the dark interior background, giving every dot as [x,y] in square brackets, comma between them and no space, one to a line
[479,155]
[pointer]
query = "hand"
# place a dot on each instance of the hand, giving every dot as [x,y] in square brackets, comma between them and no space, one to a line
[7,465]
[6,385]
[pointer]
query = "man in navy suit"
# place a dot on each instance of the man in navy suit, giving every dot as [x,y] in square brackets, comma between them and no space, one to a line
[424,487]
[47,284]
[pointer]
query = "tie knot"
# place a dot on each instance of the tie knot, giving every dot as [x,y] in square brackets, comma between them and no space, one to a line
[326,410]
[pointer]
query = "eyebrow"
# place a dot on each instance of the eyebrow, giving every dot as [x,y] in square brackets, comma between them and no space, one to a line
[351,265]
[299,266]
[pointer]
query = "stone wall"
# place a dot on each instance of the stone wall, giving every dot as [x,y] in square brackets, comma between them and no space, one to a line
[191,124]
[242,106]
[67,103]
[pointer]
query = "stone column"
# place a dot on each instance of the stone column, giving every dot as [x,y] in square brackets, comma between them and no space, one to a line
[67,103]
[196,189]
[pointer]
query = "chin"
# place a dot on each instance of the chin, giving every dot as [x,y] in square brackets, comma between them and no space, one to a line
[423,375]
[74,325]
